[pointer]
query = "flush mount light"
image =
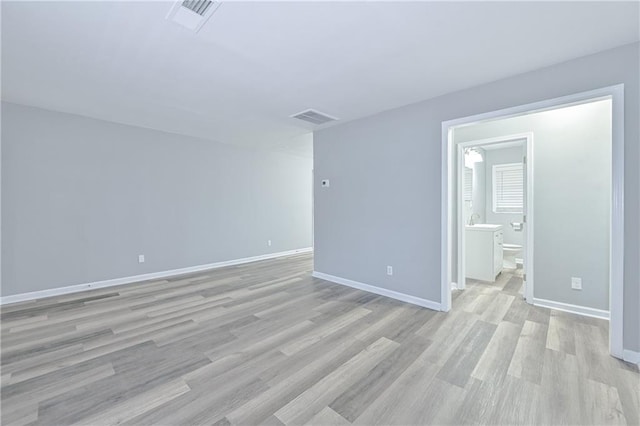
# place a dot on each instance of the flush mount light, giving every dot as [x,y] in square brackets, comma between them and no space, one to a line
[192,14]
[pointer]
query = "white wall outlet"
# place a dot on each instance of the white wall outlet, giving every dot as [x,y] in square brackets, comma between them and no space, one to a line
[576,283]
[269,243]
[389,270]
[141,258]
[326,183]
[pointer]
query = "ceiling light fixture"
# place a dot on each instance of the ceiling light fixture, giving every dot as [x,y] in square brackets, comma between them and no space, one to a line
[472,156]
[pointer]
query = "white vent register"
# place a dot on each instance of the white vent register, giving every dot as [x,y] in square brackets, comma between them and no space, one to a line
[314,117]
[192,14]
[197,6]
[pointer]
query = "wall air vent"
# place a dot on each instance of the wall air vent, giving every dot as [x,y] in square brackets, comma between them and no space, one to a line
[192,14]
[314,117]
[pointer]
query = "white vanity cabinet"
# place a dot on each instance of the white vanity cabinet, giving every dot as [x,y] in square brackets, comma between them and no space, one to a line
[483,254]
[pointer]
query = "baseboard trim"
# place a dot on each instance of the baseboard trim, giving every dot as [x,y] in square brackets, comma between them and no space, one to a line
[378,290]
[574,309]
[22,297]
[631,356]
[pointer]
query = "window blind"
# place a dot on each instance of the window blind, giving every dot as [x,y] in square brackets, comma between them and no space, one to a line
[508,188]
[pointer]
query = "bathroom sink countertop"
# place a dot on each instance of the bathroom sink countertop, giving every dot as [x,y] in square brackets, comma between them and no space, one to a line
[484,227]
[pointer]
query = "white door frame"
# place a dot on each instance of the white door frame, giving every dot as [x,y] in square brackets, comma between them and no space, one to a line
[527,140]
[616,246]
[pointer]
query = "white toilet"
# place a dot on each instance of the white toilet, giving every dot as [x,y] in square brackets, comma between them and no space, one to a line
[509,254]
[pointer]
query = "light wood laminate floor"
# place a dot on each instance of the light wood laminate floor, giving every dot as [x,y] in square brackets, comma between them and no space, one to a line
[265,343]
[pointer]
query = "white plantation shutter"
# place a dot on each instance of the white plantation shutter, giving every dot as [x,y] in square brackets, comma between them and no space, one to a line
[468,182]
[507,188]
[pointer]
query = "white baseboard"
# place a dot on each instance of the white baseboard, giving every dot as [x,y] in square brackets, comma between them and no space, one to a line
[574,309]
[14,298]
[631,356]
[454,285]
[378,290]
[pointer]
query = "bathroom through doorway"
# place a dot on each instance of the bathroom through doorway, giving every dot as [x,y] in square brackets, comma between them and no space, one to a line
[572,171]
[495,209]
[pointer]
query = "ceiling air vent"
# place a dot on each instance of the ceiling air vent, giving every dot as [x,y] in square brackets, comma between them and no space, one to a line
[314,117]
[197,6]
[192,14]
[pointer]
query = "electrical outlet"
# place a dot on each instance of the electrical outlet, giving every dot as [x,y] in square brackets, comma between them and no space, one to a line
[389,270]
[141,258]
[269,243]
[576,283]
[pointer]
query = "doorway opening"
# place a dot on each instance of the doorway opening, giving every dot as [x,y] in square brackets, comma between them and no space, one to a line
[578,194]
[494,209]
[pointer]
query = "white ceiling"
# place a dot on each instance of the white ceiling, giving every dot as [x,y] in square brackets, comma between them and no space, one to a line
[255,63]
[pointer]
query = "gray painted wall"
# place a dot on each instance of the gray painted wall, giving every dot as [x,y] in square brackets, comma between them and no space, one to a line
[81,198]
[383,206]
[572,192]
